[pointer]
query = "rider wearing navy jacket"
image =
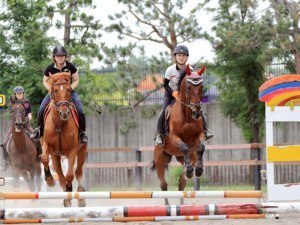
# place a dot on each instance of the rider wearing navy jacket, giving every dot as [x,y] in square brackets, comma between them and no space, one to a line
[173,77]
[60,64]
[19,94]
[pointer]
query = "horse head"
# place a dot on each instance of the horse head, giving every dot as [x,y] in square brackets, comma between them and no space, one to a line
[61,94]
[192,89]
[17,114]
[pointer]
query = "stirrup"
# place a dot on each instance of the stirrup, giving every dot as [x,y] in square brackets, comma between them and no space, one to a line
[35,134]
[159,140]
[209,134]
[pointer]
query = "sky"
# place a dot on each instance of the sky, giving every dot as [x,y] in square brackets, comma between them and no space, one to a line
[200,50]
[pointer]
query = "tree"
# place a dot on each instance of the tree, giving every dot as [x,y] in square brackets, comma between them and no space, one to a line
[80,30]
[288,32]
[23,49]
[242,44]
[157,21]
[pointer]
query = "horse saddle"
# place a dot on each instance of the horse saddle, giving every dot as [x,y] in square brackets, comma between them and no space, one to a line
[72,109]
[167,117]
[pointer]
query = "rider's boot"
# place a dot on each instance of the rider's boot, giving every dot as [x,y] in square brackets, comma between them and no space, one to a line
[38,132]
[5,156]
[82,127]
[207,132]
[159,139]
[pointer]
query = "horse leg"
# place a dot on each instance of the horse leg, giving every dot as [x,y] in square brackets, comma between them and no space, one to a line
[45,160]
[81,154]
[70,176]
[182,178]
[38,179]
[16,181]
[160,163]
[199,166]
[29,179]
[56,163]
[187,161]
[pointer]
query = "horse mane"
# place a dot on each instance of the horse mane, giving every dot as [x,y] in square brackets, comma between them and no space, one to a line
[64,76]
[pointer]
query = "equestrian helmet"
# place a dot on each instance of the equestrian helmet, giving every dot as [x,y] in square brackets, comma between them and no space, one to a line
[59,50]
[18,89]
[181,49]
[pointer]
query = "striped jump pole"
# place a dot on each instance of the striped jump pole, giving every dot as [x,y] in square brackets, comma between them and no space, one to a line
[131,194]
[146,218]
[142,211]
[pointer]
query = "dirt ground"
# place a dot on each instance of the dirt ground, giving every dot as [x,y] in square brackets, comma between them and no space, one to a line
[285,219]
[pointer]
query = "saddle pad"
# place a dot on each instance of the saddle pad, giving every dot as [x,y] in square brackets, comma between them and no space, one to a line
[167,116]
[73,112]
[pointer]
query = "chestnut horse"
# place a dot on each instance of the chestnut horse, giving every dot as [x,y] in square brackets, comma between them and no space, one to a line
[186,137]
[61,137]
[22,150]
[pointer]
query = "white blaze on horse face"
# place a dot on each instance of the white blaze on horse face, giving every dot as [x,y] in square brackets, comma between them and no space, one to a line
[61,87]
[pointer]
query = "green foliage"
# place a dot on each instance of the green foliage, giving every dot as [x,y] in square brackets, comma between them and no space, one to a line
[24,47]
[242,42]
[174,175]
[157,21]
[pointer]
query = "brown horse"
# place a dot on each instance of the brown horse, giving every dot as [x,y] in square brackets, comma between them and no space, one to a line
[186,137]
[22,150]
[61,137]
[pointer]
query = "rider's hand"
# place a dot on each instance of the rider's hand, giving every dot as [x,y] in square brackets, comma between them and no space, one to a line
[175,94]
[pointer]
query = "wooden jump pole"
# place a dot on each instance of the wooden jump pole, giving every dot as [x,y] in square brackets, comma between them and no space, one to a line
[142,211]
[132,219]
[131,194]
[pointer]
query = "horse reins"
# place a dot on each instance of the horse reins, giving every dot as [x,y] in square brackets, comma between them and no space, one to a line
[57,128]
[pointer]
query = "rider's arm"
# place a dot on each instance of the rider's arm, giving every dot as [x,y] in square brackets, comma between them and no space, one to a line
[75,80]
[29,116]
[167,87]
[46,83]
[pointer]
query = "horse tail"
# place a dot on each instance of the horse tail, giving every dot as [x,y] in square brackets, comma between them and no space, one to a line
[168,159]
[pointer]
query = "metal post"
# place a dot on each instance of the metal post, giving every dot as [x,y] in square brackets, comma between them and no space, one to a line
[196,183]
[138,169]
[257,168]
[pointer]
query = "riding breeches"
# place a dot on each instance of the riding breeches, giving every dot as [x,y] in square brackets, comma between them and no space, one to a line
[161,119]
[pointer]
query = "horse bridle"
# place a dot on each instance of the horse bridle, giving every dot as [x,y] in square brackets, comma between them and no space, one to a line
[60,103]
[189,104]
[20,114]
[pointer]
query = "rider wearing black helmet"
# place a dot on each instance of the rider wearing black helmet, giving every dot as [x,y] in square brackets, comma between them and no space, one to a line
[19,94]
[60,64]
[173,76]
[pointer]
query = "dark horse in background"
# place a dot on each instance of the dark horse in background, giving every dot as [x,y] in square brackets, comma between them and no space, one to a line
[22,151]
[61,137]
[186,137]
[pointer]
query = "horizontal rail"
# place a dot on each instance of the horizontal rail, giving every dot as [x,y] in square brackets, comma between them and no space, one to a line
[147,164]
[140,218]
[131,194]
[207,147]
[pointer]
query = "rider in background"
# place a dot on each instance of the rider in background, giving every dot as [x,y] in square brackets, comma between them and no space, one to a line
[172,79]
[61,64]
[19,94]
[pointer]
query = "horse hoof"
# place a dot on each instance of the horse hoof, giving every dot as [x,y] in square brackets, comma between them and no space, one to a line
[189,173]
[81,203]
[67,203]
[50,182]
[198,172]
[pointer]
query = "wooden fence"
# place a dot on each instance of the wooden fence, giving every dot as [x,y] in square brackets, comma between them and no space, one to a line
[136,172]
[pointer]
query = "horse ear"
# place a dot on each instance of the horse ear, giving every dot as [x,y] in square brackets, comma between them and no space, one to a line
[201,70]
[188,70]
